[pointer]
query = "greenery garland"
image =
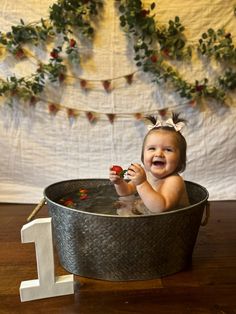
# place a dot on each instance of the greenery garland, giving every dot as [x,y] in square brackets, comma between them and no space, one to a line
[66,19]
[155,46]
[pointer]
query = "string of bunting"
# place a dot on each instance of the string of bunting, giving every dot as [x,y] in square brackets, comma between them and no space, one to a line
[93,116]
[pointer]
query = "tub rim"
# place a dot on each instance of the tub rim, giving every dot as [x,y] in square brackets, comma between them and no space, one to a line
[117,216]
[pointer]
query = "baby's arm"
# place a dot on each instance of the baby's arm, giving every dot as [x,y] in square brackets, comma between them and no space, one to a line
[168,195]
[166,198]
[122,187]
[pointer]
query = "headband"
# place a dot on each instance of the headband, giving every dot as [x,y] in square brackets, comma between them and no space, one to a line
[169,123]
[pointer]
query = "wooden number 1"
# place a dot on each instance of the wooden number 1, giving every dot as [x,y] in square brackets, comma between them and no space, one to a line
[47,285]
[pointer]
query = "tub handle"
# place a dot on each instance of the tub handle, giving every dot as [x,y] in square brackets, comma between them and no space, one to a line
[207,215]
[36,209]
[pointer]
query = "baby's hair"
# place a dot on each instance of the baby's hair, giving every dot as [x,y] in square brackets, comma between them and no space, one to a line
[179,137]
[175,117]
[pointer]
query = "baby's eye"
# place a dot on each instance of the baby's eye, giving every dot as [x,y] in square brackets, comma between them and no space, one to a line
[169,149]
[151,148]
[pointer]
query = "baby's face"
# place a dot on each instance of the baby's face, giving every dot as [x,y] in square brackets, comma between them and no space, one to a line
[161,153]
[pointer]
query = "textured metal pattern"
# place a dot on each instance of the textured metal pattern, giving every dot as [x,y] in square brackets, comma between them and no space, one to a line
[124,248]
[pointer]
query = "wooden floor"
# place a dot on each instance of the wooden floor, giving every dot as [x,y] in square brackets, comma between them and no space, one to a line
[209,286]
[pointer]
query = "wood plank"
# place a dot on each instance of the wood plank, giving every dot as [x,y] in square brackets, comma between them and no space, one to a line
[208,286]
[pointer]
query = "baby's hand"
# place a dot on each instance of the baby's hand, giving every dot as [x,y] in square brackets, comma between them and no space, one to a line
[136,174]
[114,176]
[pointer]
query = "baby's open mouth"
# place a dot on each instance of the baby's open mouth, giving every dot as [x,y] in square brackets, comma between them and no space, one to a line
[159,163]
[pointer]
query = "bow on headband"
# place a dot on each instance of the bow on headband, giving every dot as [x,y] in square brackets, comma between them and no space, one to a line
[169,123]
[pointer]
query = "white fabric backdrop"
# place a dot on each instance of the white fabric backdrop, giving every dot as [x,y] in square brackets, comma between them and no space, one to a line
[38,149]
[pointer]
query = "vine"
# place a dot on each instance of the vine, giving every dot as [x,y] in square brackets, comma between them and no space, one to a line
[66,18]
[155,45]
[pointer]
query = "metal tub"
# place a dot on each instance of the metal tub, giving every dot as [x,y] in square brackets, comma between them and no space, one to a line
[111,247]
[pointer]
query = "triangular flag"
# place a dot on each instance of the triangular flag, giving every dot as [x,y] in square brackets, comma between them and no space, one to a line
[53,108]
[129,78]
[138,116]
[83,84]
[91,117]
[107,84]
[111,117]
[162,112]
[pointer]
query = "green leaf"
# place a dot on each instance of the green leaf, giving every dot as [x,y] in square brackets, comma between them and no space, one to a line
[210,31]
[122,173]
[179,44]
[176,19]
[122,8]
[153,5]
[144,46]
[122,23]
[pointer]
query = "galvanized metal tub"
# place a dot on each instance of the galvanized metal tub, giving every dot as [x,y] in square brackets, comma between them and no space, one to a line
[111,247]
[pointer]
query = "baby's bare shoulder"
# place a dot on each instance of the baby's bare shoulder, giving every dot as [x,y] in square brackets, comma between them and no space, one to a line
[173,181]
[174,178]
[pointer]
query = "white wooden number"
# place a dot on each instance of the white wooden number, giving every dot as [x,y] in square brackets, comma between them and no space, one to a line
[47,285]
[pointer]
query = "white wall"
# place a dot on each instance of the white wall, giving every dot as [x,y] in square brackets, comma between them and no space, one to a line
[38,149]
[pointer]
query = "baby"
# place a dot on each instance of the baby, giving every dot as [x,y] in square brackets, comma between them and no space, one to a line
[158,183]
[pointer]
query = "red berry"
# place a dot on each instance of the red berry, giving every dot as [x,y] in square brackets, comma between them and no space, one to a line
[165,52]
[199,88]
[72,43]
[68,202]
[144,13]
[117,169]
[54,54]
[19,54]
[154,58]
[83,197]
[83,191]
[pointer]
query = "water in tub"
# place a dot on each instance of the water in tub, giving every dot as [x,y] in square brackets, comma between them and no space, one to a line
[103,199]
